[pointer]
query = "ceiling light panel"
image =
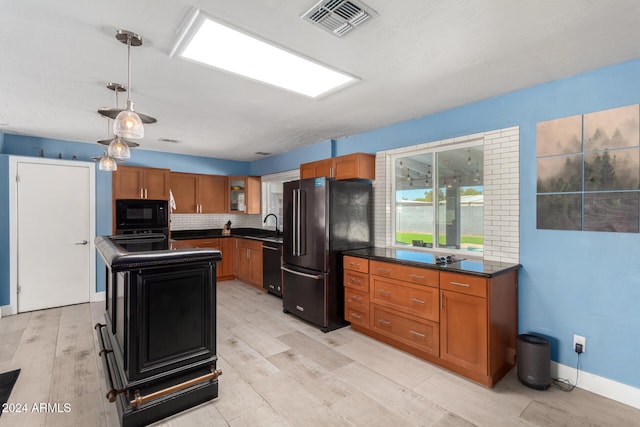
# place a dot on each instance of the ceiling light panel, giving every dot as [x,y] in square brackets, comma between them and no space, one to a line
[209,42]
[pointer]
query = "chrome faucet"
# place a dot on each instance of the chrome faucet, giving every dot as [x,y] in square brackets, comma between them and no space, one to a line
[273,215]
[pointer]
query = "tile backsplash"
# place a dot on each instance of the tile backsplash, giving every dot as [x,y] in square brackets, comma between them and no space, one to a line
[206,221]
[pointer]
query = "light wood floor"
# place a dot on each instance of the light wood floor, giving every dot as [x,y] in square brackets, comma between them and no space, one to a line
[279,371]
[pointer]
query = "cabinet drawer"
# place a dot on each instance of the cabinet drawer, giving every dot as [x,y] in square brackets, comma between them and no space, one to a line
[418,333]
[356,264]
[356,281]
[463,283]
[420,276]
[355,315]
[418,300]
[356,300]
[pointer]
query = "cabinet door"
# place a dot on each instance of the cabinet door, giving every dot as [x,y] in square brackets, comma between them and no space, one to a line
[225,267]
[128,183]
[463,331]
[212,193]
[252,195]
[357,165]
[255,273]
[324,168]
[156,184]
[317,169]
[307,170]
[184,187]
[244,194]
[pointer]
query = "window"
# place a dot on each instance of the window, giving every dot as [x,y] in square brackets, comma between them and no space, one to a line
[450,179]
[272,192]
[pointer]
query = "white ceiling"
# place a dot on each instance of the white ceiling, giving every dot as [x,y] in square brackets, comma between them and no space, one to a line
[415,58]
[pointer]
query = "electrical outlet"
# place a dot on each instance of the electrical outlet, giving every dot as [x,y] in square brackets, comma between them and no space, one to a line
[577,339]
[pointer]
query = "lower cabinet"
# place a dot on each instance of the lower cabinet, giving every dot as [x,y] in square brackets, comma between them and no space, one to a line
[248,261]
[224,268]
[462,322]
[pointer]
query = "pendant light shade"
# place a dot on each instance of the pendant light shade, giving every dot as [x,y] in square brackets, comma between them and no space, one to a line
[107,163]
[128,124]
[119,149]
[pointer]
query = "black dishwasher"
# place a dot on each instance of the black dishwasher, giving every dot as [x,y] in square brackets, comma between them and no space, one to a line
[271,263]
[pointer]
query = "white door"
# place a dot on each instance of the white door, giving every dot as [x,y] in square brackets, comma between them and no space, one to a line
[53,235]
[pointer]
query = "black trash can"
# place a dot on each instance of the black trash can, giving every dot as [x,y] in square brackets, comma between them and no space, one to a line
[534,361]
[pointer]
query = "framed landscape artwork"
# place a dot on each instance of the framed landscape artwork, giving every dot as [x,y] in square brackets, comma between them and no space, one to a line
[588,171]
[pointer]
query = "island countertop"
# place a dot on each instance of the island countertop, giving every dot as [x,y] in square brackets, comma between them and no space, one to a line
[473,266]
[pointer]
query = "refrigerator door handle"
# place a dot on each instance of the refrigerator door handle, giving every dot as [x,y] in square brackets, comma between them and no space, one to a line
[302,223]
[294,228]
[297,273]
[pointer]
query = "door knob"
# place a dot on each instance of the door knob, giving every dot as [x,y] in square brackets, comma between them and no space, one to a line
[84,242]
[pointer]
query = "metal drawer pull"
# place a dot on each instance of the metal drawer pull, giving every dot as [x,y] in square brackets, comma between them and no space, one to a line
[466,285]
[415,276]
[383,270]
[355,298]
[352,280]
[310,276]
[418,300]
[141,400]
[356,315]
[418,334]
[383,292]
[384,322]
[354,264]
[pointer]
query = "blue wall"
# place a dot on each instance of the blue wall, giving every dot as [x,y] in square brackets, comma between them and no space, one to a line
[572,282]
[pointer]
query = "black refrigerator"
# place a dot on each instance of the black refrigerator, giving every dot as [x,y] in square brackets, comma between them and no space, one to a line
[322,218]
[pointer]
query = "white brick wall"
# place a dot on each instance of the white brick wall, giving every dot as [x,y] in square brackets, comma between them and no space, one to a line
[501,192]
[502,195]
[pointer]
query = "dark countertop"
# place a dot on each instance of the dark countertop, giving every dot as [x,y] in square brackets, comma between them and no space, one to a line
[125,252]
[247,233]
[477,267]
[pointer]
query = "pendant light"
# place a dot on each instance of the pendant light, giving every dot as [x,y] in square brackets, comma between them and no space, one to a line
[128,123]
[116,146]
[107,163]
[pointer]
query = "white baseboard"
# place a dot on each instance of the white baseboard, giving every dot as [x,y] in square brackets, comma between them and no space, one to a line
[610,389]
[7,310]
[99,296]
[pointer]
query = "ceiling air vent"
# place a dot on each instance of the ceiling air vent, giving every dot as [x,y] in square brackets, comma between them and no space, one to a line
[339,17]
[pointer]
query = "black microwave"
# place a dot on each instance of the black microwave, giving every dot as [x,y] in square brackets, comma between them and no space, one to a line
[142,214]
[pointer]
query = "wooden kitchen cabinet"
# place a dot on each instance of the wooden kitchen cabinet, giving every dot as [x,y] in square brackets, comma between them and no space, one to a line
[463,322]
[248,261]
[405,305]
[198,193]
[224,268]
[356,291]
[133,182]
[244,194]
[350,166]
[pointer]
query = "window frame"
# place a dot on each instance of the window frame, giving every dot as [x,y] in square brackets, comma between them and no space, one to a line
[436,183]
[281,177]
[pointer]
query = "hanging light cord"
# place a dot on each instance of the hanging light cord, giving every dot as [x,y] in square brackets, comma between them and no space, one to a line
[128,70]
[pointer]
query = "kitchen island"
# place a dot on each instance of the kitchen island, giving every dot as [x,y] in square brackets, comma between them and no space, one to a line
[461,315]
[159,337]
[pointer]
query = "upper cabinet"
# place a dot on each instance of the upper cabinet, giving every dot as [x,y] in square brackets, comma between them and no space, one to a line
[351,166]
[244,194]
[133,182]
[195,193]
